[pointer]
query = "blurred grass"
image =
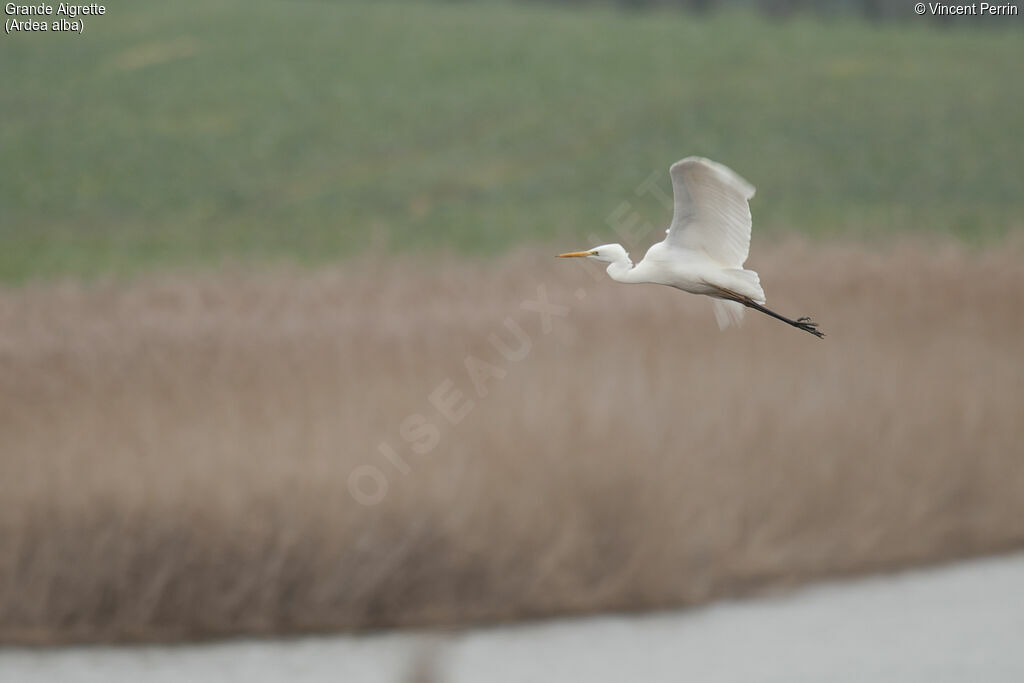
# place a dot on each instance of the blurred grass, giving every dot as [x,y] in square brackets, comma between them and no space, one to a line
[309,130]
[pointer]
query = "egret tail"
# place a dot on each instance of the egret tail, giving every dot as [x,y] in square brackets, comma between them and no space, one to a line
[727,312]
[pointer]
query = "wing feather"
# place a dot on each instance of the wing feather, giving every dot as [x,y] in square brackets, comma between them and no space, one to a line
[711,211]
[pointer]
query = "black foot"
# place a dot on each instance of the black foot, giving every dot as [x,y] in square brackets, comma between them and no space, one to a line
[808,325]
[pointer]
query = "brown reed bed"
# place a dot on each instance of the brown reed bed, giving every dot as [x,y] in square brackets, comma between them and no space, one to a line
[394,443]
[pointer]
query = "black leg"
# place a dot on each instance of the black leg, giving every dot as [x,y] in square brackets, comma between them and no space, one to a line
[803,323]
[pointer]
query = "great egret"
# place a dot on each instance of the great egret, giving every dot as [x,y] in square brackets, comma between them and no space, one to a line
[708,241]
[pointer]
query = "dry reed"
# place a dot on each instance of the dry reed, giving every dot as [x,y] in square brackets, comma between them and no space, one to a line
[179,453]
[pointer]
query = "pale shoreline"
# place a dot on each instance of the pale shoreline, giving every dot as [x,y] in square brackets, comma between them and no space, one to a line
[959,622]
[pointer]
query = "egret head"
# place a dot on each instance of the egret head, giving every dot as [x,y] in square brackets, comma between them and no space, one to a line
[607,253]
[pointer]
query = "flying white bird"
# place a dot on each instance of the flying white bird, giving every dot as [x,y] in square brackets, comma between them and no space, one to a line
[707,243]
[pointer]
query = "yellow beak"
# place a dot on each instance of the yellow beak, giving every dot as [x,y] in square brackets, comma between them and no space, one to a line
[575,254]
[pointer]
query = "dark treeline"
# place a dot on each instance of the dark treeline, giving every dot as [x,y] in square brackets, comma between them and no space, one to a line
[872,10]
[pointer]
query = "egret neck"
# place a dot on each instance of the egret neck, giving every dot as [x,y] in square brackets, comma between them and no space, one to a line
[622,269]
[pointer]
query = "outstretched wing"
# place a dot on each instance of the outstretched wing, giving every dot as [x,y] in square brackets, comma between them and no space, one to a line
[711,211]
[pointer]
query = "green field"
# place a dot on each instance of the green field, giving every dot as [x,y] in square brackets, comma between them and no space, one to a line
[312,130]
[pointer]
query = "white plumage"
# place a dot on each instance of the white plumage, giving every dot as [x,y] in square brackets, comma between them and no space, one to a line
[705,246]
[712,212]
